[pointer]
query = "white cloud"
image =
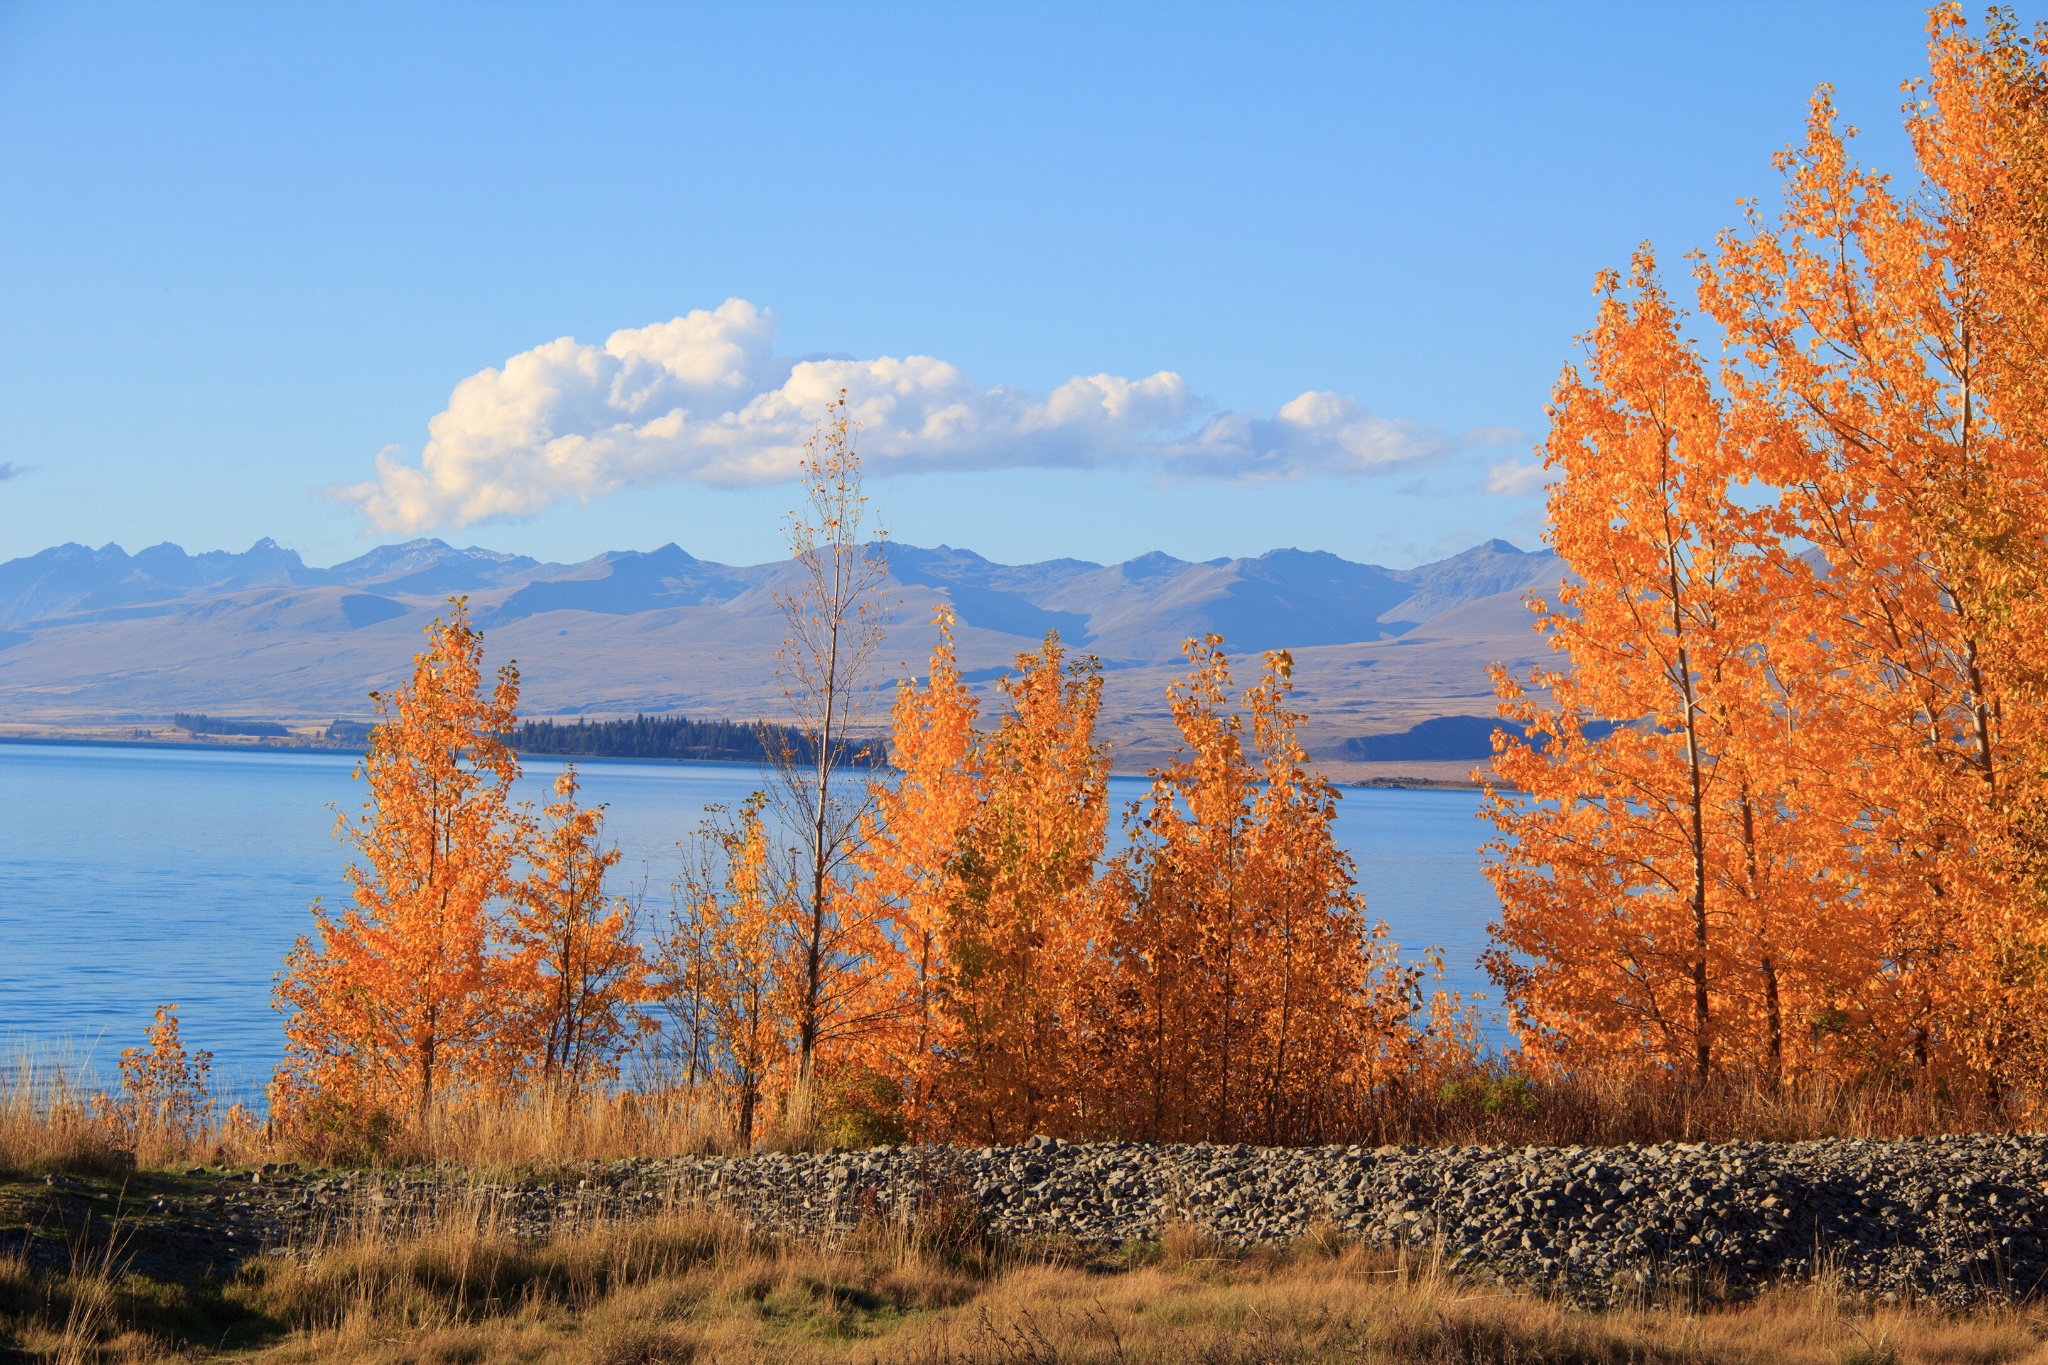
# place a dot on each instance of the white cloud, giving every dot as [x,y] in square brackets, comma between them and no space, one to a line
[1514,479]
[1314,434]
[704,398]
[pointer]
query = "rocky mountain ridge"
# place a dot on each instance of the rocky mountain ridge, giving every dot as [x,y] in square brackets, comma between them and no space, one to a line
[104,636]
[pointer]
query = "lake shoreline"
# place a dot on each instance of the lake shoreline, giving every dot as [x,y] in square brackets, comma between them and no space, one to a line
[272,744]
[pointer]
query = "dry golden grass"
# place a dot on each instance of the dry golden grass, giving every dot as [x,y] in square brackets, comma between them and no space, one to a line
[1491,1106]
[536,1131]
[1481,1106]
[50,1122]
[47,1122]
[691,1288]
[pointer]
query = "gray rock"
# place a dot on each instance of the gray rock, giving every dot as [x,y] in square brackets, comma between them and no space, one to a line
[1954,1219]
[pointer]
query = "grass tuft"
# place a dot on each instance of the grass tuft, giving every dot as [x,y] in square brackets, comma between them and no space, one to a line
[47,1123]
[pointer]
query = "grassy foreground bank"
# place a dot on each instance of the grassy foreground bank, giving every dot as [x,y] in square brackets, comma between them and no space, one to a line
[113,1249]
[684,1286]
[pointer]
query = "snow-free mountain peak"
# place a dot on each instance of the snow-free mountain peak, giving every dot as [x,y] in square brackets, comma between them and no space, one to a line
[102,636]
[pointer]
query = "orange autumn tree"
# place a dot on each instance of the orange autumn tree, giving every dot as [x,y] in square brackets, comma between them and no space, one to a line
[904,865]
[1020,930]
[572,956]
[1992,99]
[164,1104]
[1253,999]
[1887,369]
[396,1002]
[1641,870]
[723,962]
[982,857]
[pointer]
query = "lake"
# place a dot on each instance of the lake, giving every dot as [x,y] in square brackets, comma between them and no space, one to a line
[132,876]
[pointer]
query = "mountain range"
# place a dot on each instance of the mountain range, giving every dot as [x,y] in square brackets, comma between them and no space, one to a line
[96,638]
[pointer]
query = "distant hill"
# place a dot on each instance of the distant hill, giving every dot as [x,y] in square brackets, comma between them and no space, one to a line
[1465,738]
[1445,737]
[105,637]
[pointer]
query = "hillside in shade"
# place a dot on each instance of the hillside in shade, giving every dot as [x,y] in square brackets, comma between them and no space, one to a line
[102,637]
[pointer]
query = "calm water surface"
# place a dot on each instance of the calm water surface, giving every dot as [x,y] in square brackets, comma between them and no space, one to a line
[130,877]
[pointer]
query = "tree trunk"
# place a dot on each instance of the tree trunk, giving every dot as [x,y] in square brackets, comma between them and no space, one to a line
[1701,1017]
[1774,1028]
[1774,1031]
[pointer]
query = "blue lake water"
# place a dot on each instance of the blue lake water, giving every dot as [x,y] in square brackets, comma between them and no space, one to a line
[135,876]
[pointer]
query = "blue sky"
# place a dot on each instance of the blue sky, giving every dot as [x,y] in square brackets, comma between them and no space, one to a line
[1206,279]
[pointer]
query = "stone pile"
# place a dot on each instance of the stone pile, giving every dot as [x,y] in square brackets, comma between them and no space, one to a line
[1953,1218]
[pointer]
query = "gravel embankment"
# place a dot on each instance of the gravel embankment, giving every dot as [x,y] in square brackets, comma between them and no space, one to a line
[1949,1218]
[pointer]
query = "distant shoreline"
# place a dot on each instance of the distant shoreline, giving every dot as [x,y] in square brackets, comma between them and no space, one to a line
[280,747]
[242,746]
[268,745]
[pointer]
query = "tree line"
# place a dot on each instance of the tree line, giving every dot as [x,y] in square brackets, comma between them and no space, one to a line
[938,949]
[664,737]
[652,737]
[201,724]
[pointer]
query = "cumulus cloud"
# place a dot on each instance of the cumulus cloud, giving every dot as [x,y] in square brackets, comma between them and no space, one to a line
[705,398]
[1515,479]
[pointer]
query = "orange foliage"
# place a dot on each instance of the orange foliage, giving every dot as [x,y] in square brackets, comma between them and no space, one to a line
[1780,811]
[1020,926]
[163,1099]
[1217,981]
[1254,1001]
[1648,899]
[1811,594]
[1887,349]
[945,954]
[397,1001]
[905,870]
[573,960]
[980,858]
[724,961]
